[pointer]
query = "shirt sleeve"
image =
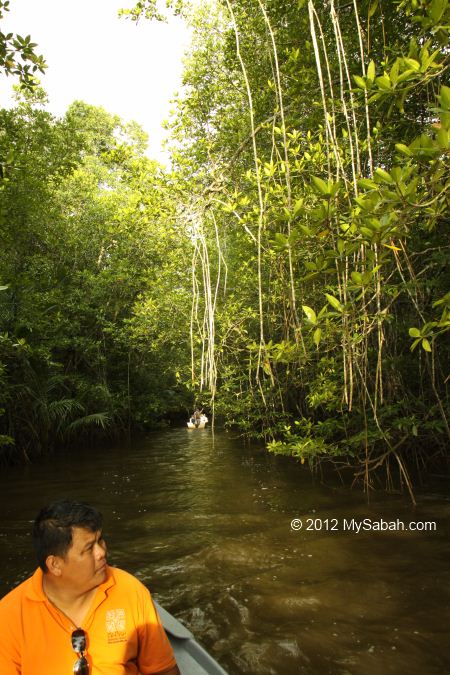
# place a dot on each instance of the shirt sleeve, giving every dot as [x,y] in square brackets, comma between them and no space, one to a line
[155,652]
[10,662]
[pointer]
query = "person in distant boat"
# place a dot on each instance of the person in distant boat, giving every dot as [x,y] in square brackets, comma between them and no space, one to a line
[197,417]
[76,614]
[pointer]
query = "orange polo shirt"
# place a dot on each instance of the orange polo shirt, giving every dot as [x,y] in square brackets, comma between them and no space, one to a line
[124,633]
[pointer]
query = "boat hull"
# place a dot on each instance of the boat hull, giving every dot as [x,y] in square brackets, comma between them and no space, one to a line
[201,425]
[191,658]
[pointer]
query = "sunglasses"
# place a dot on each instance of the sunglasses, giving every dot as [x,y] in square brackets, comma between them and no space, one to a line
[81,666]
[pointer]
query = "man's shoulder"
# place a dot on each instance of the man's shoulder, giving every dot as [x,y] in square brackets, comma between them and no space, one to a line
[125,580]
[14,597]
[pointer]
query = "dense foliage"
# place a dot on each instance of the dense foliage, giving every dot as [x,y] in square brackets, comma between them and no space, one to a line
[90,248]
[316,136]
[289,269]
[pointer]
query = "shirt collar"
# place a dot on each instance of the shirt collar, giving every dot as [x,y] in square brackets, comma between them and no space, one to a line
[35,590]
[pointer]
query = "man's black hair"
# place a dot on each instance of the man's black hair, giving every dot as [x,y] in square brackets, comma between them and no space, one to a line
[53,527]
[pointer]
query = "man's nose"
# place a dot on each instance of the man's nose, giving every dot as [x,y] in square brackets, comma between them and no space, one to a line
[100,550]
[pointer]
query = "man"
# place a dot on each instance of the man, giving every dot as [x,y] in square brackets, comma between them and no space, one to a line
[76,614]
[197,417]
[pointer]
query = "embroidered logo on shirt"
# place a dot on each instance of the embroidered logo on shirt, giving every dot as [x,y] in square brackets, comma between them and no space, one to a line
[116,625]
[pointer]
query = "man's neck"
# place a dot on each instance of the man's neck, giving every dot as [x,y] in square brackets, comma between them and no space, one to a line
[71,602]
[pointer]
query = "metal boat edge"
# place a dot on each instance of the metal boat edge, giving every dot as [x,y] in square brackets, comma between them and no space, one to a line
[192,658]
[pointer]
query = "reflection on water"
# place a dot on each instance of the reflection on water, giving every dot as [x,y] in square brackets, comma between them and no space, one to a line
[207,526]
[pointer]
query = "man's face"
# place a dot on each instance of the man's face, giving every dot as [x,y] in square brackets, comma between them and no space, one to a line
[84,565]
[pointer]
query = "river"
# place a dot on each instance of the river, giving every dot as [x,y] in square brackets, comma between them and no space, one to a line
[205,522]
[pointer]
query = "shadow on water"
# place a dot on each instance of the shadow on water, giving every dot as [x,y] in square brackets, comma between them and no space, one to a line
[206,523]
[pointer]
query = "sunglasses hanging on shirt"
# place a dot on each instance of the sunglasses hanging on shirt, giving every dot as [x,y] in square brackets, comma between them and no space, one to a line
[81,665]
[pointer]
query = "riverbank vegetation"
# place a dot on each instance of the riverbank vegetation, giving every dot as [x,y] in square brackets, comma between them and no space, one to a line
[288,271]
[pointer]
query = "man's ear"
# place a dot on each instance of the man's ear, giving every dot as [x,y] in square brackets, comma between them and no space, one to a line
[54,565]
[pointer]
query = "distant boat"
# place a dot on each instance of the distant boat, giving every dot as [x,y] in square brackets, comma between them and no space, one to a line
[191,658]
[200,425]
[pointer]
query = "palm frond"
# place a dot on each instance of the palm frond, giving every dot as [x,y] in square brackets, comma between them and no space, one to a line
[101,419]
[59,410]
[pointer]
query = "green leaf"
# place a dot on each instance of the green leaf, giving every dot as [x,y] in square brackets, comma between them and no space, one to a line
[442,138]
[317,336]
[414,332]
[424,147]
[428,61]
[306,230]
[426,345]
[320,185]
[406,75]
[280,240]
[371,71]
[384,175]
[298,206]
[367,184]
[372,9]
[340,245]
[401,147]
[442,301]
[444,97]
[367,233]
[360,82]
[437,9]
[310,313]
[334,302]
[384,82]
[414,344]
[266,367]
[413,64]
[393,75]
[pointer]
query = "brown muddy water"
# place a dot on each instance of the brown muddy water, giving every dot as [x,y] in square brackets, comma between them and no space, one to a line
[205,522]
